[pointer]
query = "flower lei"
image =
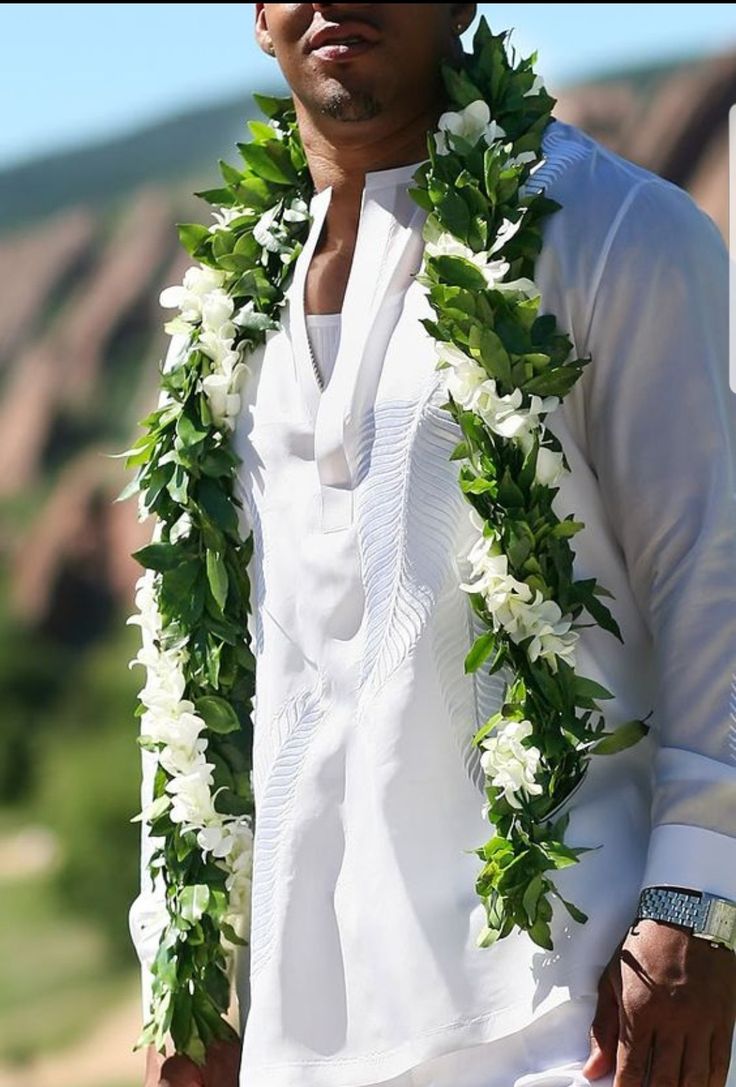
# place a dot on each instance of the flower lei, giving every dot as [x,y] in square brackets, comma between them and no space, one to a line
[507,368]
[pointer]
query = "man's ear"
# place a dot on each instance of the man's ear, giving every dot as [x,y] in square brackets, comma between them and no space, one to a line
[462,15]
[263,36]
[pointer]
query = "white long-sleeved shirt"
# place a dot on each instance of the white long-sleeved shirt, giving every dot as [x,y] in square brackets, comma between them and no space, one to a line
[363,961]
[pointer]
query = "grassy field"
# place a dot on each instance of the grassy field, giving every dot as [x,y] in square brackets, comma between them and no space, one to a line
[54,978]
[69,980]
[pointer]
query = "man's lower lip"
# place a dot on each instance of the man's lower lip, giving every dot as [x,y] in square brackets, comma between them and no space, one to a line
[342,51]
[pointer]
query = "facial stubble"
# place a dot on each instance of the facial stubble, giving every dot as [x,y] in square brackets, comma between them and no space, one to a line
[350,106]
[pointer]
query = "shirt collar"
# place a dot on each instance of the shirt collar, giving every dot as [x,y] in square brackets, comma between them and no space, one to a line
[395,176]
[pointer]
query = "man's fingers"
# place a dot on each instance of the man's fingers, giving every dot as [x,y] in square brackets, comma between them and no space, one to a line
[696,1060]
[632,1063]
[720,1059]
[223,1064]
[180,1072]
[222,1068]
[667,1061]
[603,1033]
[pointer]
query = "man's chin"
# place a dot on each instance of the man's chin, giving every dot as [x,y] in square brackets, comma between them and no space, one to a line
[351,106]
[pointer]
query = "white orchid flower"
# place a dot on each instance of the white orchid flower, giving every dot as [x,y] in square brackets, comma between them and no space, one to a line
[465,374]
[223,402]
[501,414]
[543,622]
[192,801]
[552,646]
[241,848]
[490,575]
[224,216]
[471,124]
[222,385]
[445,244]
[519,160]
[178,729]
[217,310]
[164,689]
[493,270]
[197,283]
[523,424]
[509,763]
[297,212]
[177,758]
[264,232]
[522,285]
[550,467]
[218,347]
[216,839]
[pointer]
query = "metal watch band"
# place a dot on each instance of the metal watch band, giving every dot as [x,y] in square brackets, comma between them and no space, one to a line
[706,915]
[667,904]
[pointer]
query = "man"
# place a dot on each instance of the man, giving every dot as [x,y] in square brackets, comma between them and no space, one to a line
[363,967]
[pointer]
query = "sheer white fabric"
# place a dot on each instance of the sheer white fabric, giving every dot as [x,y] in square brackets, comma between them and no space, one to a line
[363,964]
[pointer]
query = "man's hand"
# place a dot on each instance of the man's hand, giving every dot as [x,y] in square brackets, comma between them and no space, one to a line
[666,1007]
[221,1068]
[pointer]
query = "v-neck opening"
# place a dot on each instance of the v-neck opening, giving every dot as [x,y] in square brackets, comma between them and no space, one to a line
[374,181]
[386,225]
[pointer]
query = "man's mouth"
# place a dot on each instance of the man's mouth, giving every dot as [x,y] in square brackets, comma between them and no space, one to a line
[343,41]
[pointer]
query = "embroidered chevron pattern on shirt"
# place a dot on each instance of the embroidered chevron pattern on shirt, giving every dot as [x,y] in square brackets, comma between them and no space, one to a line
[450,641]
[294,728]
[409,510]
[559,152]
[469,699]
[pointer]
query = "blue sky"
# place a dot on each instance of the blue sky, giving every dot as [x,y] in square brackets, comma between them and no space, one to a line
[73,73]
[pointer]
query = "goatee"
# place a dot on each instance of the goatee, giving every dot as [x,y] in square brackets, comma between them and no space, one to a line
[351,105]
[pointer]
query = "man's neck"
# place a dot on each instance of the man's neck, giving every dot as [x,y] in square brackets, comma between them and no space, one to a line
[340,161]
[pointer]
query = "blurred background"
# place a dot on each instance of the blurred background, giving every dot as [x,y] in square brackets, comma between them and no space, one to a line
[112,116]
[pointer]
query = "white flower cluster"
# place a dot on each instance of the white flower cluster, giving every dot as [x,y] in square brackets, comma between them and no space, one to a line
[440,243]
[271,233]
[474,123]
[506,415]
[170,720]
[515,609]
[509,763]
[471,124]
[202,301]
[223,218]
[522,614]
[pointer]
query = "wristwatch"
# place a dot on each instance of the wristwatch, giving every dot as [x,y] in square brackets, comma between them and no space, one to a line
[707,916]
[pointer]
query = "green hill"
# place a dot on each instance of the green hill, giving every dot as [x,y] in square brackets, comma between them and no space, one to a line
[168,151]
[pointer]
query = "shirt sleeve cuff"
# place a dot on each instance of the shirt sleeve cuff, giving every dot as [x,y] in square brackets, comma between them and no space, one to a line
[691,857]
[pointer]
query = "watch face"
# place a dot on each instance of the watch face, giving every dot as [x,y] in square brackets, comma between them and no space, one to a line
[720,922]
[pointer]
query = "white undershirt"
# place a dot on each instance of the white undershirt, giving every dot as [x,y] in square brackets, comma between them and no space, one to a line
[323,330]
